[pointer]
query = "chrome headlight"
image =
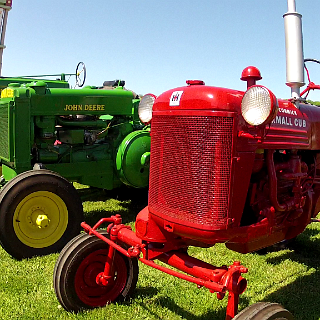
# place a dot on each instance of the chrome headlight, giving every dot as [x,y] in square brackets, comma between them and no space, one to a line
[258,106]
[145,108]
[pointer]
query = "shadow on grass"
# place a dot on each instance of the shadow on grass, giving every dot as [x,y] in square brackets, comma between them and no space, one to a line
[130,202]
[146,292]
[302,296]
[171,305]
[304,250]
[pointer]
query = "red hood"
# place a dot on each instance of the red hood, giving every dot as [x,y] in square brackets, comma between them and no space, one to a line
[196,97]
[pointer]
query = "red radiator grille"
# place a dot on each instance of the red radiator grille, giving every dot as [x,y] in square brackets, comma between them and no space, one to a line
[190,168]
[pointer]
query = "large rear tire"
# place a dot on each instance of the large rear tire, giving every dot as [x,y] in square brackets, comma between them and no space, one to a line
[264,311]
[40,212]
[75,272]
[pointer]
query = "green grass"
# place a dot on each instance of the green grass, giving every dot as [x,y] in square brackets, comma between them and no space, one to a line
[290,277]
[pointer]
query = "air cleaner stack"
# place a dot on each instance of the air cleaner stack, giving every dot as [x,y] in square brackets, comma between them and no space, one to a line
[294,49]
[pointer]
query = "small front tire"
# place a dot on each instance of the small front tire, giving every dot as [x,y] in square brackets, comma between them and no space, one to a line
[264,311]
[77,267]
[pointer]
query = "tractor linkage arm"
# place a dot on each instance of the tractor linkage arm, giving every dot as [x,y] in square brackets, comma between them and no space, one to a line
[219,280]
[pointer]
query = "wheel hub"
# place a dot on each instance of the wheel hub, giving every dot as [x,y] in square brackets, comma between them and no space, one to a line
[38,218]
[42,221]
[103,280]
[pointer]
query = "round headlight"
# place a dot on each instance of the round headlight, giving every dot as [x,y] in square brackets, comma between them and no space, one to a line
[258,106]
[145,108]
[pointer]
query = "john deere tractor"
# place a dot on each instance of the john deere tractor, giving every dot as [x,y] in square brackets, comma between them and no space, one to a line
[52,135]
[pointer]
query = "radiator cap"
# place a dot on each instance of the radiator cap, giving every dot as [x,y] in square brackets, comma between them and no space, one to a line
[251,74]
[195,82]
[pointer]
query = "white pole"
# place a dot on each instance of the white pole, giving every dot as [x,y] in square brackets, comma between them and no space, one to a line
[5,5]
[291,6]
[294,49]
[2,35]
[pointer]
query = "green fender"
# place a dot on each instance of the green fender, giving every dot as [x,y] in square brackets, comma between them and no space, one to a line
[133,159]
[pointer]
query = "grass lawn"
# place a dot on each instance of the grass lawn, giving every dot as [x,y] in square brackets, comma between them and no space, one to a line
[289,277]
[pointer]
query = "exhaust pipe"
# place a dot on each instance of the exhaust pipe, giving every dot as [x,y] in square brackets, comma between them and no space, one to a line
[294,50]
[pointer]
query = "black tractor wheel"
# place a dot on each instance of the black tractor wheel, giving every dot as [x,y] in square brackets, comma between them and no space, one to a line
[75,272]
[40,212]
[264,311]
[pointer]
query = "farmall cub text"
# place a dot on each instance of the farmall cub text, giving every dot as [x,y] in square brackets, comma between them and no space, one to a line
[233,167]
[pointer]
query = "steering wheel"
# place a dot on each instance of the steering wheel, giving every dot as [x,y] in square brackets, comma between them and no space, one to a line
[81,74]
[311,85]
[311,60]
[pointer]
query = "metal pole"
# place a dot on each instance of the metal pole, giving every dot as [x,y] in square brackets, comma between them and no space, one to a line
[294,50]
[3,32]
[291,6]
[6,7]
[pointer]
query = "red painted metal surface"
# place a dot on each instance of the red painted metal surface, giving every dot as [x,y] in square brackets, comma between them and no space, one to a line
[199,98]
[97,283]
[90,289]
[251,74]
[290,128]
[214,178]
[190,172]
[195,82]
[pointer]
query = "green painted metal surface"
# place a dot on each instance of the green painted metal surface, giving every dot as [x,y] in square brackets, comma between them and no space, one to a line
[132,159]
[4,129]
[5,81]
[75,132]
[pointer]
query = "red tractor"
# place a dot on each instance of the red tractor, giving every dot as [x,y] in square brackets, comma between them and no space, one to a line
[233,167]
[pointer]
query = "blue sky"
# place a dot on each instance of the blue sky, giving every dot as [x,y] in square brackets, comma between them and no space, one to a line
[158,45]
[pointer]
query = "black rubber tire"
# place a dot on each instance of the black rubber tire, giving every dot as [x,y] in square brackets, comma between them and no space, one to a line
[264,311]
[22,186]
[72,257]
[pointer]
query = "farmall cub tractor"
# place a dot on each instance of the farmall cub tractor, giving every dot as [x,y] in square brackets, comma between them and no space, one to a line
[51,135]
[233,167]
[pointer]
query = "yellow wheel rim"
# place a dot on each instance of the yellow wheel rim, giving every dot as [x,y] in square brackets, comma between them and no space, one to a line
[40,219]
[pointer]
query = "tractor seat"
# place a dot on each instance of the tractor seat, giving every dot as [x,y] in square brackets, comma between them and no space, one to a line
[114,83]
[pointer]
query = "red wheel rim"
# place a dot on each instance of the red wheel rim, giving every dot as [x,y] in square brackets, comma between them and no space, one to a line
[88,290]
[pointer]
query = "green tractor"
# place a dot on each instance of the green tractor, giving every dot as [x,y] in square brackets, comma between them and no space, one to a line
[51,136]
